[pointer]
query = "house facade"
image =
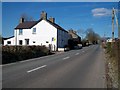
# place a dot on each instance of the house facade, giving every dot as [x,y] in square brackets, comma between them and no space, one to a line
[42,32]
[74,36]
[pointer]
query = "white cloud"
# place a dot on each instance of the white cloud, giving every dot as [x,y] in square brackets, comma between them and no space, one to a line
[99,12]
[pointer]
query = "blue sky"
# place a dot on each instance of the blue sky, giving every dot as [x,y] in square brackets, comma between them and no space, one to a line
[76,15]
[0,18]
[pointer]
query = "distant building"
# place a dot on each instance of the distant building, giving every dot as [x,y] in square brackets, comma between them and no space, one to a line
[109,40]
[74,36]
[74,40]
[42,32]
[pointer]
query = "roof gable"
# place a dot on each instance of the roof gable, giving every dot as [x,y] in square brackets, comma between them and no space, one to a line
[56,26]
[30,24]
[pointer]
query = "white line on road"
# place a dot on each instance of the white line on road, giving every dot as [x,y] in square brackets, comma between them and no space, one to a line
[77,54]
[9,64]
[66,58]
[36,68]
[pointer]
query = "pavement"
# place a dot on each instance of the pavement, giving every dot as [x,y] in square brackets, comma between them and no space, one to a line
[83,68]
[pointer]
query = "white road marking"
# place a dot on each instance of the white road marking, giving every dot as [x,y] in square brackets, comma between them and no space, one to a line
[9,64]
[36,68]
[26,60]
[34,59]
[77,54]
[66,58]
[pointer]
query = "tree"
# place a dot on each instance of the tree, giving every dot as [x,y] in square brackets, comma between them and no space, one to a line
[81,33]
[26,17]
[91,36]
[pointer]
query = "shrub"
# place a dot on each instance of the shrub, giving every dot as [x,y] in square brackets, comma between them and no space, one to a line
[18,53]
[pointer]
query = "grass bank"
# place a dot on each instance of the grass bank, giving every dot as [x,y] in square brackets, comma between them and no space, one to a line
[112,51]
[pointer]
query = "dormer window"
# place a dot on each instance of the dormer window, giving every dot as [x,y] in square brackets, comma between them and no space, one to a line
[34,31]
[20,32]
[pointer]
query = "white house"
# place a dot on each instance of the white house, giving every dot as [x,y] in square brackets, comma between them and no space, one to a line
[42,32]
[110,40]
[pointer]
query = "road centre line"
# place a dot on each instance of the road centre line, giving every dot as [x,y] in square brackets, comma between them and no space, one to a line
[36,68]
[66,58]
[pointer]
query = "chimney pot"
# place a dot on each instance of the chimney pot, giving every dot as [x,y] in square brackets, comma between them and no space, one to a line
[52,19]
[43,15]
[22,20]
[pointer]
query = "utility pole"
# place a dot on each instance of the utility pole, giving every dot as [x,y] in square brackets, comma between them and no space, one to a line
[113,17]
[118,27]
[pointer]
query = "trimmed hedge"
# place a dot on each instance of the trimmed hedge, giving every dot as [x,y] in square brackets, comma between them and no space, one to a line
[114,49]
[18,53]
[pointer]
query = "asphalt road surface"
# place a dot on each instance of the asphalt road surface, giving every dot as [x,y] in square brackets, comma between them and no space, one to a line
[84,68]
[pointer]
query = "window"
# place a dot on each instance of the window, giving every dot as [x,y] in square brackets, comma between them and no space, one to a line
[47,42]
[8,42]
[34,31]
[27,41]
[33,41]
[53,39]
[20,42]
[20,32]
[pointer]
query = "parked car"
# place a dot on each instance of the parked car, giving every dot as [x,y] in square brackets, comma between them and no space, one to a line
[79,46]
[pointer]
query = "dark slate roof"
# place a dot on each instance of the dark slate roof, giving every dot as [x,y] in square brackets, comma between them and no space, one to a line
[30,24]
[57,26]
[26,25]
[7,38]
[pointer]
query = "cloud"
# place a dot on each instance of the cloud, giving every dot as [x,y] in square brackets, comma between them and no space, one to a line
[99,12]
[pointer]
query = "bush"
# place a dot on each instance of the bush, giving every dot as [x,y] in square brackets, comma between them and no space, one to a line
[13,53]
[108,47]
[113,50]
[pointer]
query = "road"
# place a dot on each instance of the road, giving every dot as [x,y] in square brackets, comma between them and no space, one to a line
[84,68]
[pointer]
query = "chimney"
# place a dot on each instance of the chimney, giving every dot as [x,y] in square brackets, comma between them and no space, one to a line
[22,20]
[44,15]
[52,19]
[75,32]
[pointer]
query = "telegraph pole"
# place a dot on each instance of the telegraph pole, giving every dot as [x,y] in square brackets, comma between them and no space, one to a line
[118,27]
[113,17]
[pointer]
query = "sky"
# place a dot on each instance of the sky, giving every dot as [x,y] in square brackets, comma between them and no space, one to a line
[0,18]
[76,15]
[60,0]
